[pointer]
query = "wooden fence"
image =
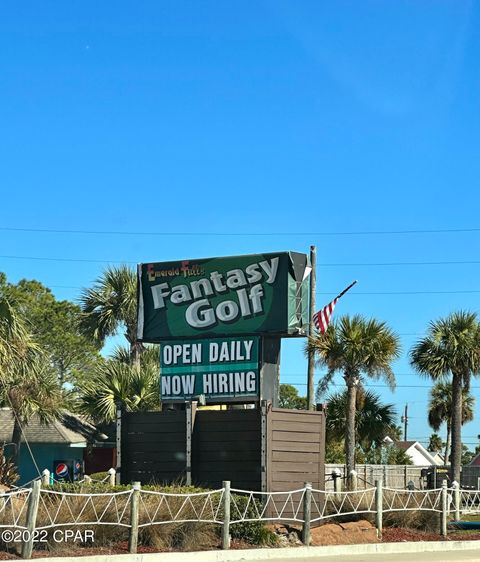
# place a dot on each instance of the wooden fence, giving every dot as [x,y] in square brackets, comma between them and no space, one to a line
[155,447]
[296,452]
[226,445]
[263,449]
[393,476]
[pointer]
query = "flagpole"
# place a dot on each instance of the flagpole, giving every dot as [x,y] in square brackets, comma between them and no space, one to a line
[345,290]
[311,355]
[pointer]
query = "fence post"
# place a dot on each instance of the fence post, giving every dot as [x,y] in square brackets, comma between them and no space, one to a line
[32,510]
[337,480]
[264,444]
[307,513]
[45,477]
[352,477]
[379,507]
[226,515]
[444,498]
[134,501]
[111,476]
[118,441]
[456,499]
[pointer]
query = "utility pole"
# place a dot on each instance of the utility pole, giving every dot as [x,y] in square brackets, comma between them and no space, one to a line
[311,356]
[405,423]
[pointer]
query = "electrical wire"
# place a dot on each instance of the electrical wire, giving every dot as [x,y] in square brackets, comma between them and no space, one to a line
[375,385]
[455,292]
[467,291]
[229,233]
[359,264]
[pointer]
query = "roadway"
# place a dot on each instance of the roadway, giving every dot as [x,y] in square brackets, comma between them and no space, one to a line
[452,556]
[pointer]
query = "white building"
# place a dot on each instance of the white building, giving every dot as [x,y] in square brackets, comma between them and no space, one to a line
[418,454]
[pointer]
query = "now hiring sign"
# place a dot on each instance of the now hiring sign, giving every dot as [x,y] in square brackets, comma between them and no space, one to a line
[218,369]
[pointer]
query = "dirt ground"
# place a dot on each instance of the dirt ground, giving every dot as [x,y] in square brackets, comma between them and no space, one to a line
[359,532]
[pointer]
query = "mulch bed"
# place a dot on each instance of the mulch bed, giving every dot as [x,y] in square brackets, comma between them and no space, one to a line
[390,535]
[399,534]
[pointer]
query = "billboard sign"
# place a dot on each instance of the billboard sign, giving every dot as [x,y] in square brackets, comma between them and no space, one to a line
[220,370]
[259,294]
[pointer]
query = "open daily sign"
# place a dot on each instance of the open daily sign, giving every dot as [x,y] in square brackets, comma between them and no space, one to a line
[218,369]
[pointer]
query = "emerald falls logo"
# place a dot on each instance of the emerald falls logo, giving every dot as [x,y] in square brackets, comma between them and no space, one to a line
[247,284]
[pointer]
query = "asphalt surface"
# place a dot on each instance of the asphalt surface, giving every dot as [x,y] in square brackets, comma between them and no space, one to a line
[461,555]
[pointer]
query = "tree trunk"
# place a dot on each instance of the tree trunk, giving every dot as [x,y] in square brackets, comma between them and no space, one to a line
[136,347]
[135,355]
[352,383]
[449,441]
[16,440]
[456,456]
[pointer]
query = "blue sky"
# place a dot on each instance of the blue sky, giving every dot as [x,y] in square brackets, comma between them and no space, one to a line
[257,126]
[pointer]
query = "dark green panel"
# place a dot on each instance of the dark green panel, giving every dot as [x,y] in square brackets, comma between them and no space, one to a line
[218,369]
[253,294]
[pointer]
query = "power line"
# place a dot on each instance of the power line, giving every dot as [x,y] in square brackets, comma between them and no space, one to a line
[65,259]
[319,375]
[397,263]
[377,385]
[410,292]
[460,291]
[217,233]
[379,264]
[395,373]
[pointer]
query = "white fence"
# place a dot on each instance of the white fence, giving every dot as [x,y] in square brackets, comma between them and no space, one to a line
[35,510]
[394,476]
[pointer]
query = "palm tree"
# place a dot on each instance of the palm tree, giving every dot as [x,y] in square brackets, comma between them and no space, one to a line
[111,304]
[357,348]
[451,347]
[32,389]
[116,380]
[435,443]
[373,419]
[440,410]
[28,384]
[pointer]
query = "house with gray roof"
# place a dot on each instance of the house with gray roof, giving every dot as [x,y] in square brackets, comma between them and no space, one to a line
[67,439]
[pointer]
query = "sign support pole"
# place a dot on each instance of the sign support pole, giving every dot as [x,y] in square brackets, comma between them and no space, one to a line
[118,438]
[311,355]
[190,410]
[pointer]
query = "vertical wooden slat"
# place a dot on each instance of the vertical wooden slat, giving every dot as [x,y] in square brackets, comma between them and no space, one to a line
[119,478]
[188,443]
[264,444]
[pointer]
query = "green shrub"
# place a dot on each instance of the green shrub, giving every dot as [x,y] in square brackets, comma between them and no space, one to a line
[104,487]
[252,532]
[167,536]
[8,471]
[99,475]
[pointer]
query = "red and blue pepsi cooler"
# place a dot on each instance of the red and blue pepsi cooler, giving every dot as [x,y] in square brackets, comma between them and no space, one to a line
[68,470]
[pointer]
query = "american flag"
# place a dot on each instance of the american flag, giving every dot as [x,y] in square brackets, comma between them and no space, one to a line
[321,319]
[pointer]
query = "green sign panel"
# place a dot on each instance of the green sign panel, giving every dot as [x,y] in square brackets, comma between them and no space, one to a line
[221,370]
[264,294]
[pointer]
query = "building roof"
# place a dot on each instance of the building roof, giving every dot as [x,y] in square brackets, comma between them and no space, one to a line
[410,446]
[70,429]
[404,445]
[475,461]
